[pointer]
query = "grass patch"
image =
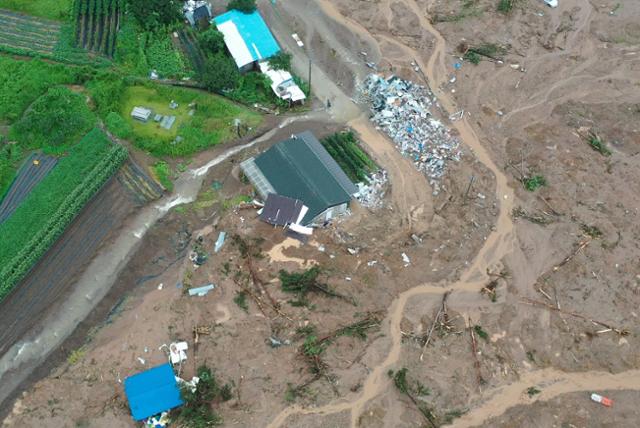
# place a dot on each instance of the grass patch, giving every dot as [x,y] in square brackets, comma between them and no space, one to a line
[212,122]
[345,149]
[597,144]
[162,172]
[76,355]
[50,9]
[53,204]
[534,183]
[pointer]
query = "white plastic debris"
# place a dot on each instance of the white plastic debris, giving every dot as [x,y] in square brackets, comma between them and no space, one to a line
[321,248]
[372,263]
[160,286]
[177,352]
[406,259]
[142,361]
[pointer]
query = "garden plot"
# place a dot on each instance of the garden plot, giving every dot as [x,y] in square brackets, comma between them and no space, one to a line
[33,171]
[190,47]
[25,34]
[97,24]
[201,120]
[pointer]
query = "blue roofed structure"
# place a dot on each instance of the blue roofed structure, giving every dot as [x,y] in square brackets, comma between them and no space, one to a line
[247,37]
[152,392]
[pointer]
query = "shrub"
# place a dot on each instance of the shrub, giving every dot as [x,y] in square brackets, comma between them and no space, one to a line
[162,171]
[505,6]
[118,126]
[197,411]
[281,61]
[245,6]
[211,40]
[533,183]
[57,118]
[220,73]
[152,14]
[106,91]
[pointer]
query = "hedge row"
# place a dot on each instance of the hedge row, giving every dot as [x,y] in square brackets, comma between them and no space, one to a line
[46,236]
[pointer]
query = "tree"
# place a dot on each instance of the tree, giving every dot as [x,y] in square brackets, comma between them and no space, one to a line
[56,118]
[154,13]
[244,6]
[281,61]
[211,40]
[220,73]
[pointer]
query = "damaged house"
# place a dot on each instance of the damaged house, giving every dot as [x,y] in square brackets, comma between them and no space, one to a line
[301,169]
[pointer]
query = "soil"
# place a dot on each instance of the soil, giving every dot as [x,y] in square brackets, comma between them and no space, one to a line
[545,283]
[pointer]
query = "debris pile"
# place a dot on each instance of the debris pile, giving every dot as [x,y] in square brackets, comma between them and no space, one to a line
[371,194]
[402,110]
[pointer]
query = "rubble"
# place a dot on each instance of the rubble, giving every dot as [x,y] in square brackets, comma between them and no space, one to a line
[402,110]
[371,195]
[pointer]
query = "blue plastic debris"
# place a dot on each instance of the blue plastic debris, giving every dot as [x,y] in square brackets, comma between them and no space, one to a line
[152,391]
[220,241]
[457,65]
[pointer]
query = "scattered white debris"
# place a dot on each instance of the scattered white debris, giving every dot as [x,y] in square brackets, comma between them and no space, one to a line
[602,400]
[321,248]
[352,251]
[160,286]
[372,263]
[142,361]
[177,352]
[297,39]
[406,259]
[347,278]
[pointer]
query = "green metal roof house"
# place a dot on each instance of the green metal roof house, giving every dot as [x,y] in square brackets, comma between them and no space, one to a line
[300,168]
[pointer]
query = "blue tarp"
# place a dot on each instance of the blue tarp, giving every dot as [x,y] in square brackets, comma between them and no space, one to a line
[152,392]
[254,32]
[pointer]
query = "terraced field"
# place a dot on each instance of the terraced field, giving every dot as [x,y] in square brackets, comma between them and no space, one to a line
[21,33]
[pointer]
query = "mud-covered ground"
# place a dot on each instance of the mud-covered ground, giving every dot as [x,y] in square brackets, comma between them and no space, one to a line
[558,317]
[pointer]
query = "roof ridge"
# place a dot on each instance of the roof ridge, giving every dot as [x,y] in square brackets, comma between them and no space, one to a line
[299,171]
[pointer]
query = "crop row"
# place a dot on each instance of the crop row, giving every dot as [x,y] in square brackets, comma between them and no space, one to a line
[97,24]
[46,236]
[27,34]
[192,49]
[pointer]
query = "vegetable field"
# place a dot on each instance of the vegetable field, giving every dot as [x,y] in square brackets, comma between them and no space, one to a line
[97,24]
[29,175]
[25,34]
[44,215]
[191,49]
[345,149]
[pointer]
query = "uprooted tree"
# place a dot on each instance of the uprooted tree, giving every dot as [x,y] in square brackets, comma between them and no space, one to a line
[308,281]
[198,411]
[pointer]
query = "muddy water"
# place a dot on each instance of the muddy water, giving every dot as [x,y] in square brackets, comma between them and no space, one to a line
[19,361]
[498,244]
[276,253]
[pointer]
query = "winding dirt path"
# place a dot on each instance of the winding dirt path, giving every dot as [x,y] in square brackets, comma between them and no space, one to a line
[498,244]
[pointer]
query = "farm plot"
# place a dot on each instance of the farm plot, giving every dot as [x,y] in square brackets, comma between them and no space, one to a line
[32,172]
[97,24]
[53,204]
[191,49]
[21,34]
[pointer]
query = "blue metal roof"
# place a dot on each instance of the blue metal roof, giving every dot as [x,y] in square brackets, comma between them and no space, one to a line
[254,32]
[152,392]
